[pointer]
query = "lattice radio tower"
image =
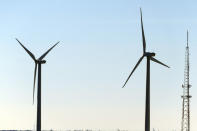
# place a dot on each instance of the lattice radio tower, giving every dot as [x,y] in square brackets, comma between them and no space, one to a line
[185,125]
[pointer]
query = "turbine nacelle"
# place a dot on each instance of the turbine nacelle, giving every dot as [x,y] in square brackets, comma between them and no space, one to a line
[149,54]
[41,61]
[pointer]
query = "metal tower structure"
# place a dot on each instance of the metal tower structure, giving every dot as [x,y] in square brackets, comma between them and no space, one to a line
[185,125]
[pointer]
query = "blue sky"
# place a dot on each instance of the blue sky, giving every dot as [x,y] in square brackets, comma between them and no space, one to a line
[100,42]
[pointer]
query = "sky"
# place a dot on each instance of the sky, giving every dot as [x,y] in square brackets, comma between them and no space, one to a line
[100,43]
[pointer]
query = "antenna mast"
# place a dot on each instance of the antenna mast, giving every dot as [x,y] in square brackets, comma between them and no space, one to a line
[185,124]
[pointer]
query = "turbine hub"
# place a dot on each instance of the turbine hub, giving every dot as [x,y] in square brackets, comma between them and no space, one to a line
[150,54]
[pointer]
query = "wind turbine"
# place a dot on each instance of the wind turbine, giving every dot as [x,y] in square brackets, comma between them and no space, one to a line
[38,62]
[149,56]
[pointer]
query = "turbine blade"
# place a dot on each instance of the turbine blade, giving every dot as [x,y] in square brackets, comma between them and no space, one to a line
[133,70]
[157,61]
[47,51]
[143,36]
[187,37]
[32,56]
[35,70]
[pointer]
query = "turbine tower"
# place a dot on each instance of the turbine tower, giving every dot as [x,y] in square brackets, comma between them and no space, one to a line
[38,62]
[185,125]
[150,57]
